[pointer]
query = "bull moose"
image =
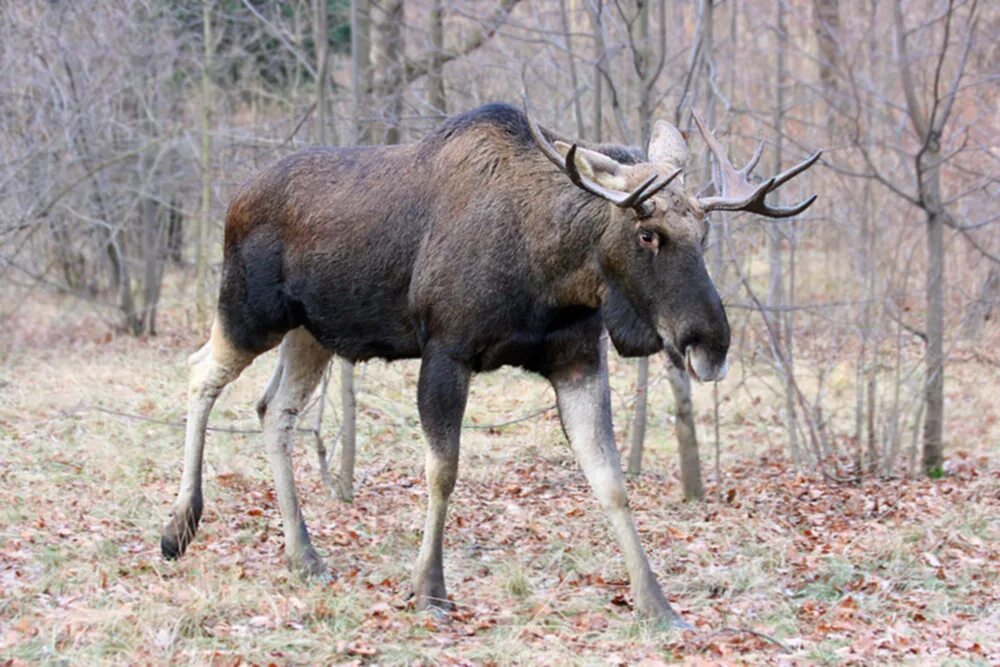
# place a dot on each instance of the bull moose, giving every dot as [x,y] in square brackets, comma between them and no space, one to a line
[469,251]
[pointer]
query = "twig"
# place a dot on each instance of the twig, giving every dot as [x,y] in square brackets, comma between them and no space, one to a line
[295,130]
[249,431]
[516,420]
[174,424]
[984,358]
[899,320]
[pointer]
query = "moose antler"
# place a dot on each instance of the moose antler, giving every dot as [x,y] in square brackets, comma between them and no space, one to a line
[736,193]
[635,199]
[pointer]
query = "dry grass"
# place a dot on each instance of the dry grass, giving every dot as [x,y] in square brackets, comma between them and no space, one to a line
[886,571]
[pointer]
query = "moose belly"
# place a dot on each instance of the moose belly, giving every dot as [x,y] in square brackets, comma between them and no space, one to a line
[361,327]
[543,343]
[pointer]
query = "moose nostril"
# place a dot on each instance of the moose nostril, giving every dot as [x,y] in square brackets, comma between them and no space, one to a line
[689,339]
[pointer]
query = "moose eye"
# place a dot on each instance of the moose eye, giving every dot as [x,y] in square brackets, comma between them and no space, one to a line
[649,239]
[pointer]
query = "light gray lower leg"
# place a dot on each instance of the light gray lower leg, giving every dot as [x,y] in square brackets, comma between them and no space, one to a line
[302,363]
[214,366]
[441,395]
[585,410]
[270,390]
[428,580]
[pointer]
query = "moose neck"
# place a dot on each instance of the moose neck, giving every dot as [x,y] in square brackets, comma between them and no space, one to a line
[583,232]
[575,228]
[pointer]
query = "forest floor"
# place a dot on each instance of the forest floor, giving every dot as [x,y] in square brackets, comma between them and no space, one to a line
[774,567]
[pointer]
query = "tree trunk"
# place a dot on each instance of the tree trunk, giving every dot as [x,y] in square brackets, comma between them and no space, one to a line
[389,70]
[153,260]
[929,128]
[348,434]
[826,27]
[595,10]
[204,223]
[791,416]
[321,38]
[776,236]
[869,239]
[175,233]
[643,61]
[638,433]
[571,61]
[123,283]
[361,70]
[322,455]
[435,73]
[934,416]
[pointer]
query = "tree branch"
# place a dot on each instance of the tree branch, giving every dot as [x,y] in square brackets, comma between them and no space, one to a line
[953,91]
[418,68]
[906,74]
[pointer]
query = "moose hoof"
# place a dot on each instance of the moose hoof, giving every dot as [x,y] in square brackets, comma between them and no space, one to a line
[261,410]
[673,622]
[310,566]
[179,532]
[653,606]
[438,607]
[432,596]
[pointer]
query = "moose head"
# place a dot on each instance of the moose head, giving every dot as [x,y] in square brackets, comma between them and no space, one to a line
[651,255]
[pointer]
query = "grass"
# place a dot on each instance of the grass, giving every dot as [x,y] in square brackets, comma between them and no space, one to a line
[884,571]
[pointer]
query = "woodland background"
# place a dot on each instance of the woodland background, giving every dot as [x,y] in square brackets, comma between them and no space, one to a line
[835,499]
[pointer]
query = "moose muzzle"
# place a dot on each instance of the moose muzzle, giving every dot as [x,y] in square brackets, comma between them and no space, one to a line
[702,365]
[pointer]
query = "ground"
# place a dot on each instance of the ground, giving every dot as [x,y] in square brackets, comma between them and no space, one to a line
[775,567]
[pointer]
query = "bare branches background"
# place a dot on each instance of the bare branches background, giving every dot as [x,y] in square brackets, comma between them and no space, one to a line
[114,156]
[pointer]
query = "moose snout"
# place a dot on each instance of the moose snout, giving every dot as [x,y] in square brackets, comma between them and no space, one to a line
[702,365]
[705,352]
[694,320]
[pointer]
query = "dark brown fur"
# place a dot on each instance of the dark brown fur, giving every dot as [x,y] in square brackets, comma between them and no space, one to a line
[471,251]
[469,237]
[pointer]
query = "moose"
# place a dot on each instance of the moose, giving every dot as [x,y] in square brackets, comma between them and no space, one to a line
[490,242]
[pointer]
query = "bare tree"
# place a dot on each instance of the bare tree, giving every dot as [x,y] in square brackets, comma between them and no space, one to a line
[929,111]
[321,42]
[204,221]
[436,99]
[389,68]
[778,235]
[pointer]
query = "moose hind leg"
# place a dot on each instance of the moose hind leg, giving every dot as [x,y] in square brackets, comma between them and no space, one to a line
[583,397]
[301,364]
[214,366]
[270,391]
[441,395]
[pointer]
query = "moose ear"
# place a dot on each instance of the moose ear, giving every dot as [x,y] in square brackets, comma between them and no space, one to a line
[596,166]
[667,146]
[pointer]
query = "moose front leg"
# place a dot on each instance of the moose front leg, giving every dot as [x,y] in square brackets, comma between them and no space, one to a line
[441,394]
[584,400]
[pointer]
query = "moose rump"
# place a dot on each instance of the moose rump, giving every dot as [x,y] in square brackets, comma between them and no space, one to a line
[310,243]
